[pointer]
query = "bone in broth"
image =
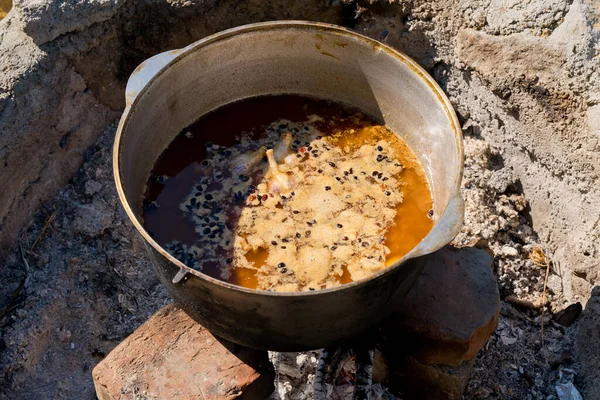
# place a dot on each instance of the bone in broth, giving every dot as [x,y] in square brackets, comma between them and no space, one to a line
[288,193]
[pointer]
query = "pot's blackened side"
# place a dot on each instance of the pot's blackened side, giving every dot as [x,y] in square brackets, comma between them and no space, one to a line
[283,322]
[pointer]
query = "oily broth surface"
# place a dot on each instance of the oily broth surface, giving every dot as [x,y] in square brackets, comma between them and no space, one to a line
[179,168]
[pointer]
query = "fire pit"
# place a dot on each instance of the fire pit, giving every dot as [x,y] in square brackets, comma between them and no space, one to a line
[171,90]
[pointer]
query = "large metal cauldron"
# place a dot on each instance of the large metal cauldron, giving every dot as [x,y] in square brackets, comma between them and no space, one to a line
[171,90]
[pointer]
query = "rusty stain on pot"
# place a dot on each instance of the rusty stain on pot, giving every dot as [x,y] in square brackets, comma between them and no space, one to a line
[329,54]
[332,43]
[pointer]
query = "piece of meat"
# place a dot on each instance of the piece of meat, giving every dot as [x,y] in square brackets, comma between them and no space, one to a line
[245,162]
[279,182]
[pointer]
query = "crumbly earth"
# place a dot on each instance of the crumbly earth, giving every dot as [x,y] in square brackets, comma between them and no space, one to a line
[318,206]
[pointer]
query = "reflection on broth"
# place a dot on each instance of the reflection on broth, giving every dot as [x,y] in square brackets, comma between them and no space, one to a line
[288,193]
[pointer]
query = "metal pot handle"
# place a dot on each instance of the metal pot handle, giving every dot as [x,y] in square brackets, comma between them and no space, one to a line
[146,71]
[449,225]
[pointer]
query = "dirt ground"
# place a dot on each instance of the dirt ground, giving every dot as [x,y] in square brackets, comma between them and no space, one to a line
[87,287]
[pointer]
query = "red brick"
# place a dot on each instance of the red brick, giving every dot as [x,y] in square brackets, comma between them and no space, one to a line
[451,311]
[173,357]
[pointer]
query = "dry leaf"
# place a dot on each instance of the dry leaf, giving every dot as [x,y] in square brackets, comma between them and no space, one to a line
[538,256]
